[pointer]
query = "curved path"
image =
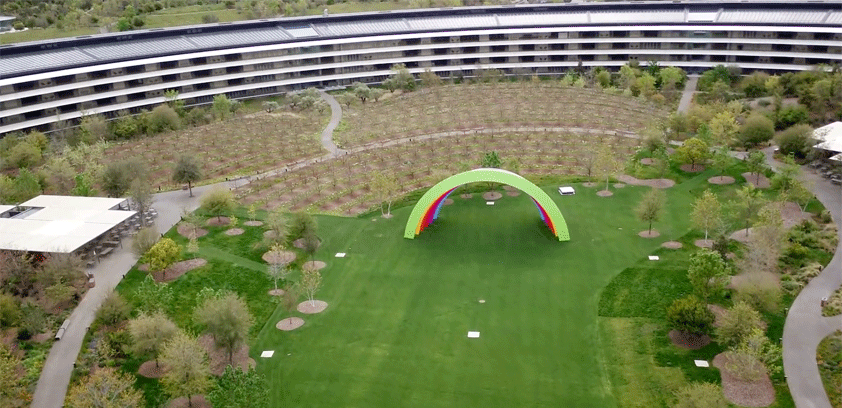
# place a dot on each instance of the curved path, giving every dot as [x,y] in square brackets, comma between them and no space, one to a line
[805,326]
[335,118]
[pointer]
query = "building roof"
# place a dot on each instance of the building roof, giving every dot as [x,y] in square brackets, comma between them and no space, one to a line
[59,224]
[40,56]
[830,137]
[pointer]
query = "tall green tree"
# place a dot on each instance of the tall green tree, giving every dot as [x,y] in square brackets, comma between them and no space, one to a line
[706,212]
[188,372]
[749,200]
[386,186]
[756,163]
[228,320]
[720,161]
[311,281]
[187,171]
[651,206]
[707,273]
[217,202]
[240,389]
[163,254]
[737,324]
[606,165]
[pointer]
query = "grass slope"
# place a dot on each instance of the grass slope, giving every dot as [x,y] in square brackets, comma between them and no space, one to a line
[400,309]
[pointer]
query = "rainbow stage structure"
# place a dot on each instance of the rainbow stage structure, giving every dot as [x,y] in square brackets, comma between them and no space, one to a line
[430,204]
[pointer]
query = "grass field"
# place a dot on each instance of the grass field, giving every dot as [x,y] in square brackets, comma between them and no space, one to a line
[400,309]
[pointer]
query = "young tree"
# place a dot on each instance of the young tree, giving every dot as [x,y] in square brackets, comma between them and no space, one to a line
[403,78]
[606,164]
[723,127]
[690,315]
[706,212]
[188,372]
[311,281]
[795,140]
[289,300]
[766,244]
[799,194]
[429,78]
[279,225]
[721,160]
[707,273]
[587,158]
[114,309]
[116,179]
[187,171]
[386,186]
[228,320]
[311,243]
[786,176]
[106,388]
[749,200]
[152,295]
[240,389]
[217,202]
[756,163]
[693,151]
[144,240]
[59,175]
[491,160]
[737,324]
[700,395]
[755,356]
[651,206]
[141,196]
[163,254]
[361,91]
[221,107]
[150,333]
[300,224]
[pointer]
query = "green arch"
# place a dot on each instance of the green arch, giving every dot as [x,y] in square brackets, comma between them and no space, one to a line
[428,207]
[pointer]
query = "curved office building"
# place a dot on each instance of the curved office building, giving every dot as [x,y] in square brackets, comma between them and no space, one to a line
[42,82]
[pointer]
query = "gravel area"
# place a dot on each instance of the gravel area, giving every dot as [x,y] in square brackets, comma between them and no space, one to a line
[759,393]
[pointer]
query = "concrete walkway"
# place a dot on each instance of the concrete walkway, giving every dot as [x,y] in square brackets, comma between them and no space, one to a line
[55,376]
[689,91]
[805,326]
[335,118]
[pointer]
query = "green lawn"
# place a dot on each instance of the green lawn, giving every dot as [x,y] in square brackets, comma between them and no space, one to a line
[400,309]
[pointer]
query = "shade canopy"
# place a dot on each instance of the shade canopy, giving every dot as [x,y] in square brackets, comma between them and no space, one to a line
[58,224]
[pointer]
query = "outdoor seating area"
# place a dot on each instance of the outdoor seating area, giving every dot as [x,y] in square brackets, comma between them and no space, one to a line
[830,171]
[102,246]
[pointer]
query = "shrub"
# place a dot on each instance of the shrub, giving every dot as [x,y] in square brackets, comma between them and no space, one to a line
[757,129]
[760,290]
[9,311]
[113,310]
[796,141]
[700,395]
[790,116]
[737,324]
[690,315]
[163,118]
[210,18]
[19,25]
[145,240]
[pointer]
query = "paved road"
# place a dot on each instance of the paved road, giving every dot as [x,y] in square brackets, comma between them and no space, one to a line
[805,326]
[55,376]
[689,91]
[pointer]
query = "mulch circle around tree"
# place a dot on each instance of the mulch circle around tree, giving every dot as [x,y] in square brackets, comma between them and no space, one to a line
[390,215]
[512,193]
[509,188]
[448,201]
[276,292]
[196,401]
[654,183]
[619,185]
[314,265]
[741,235]
[688,341]
[316,306]
[721,180]
[253,223]
[648,161]
[177,269]
[649,234]
[269,234]
[185,230]
[757,181]
[604,193]
[692,169]
[703,243]
[234,231]
[149,370]
[290,323]
[672,245]
[492,195]
[719,313]
[279,257]
[760,393]
[299,243]
[589,184]
[467,196]
[218,357]
[218,221]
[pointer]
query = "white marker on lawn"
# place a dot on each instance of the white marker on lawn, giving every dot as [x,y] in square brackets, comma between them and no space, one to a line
[701,363]
[489,203]
[340,254]
[267,353]
[654,258]
[473,335]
